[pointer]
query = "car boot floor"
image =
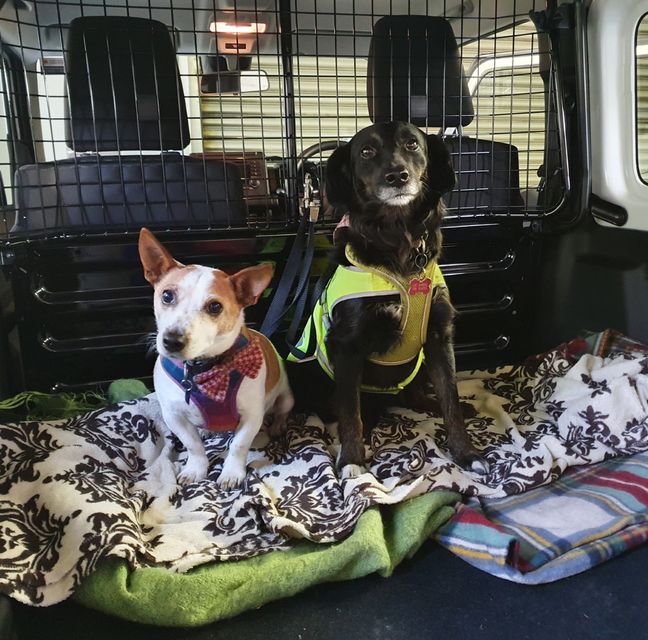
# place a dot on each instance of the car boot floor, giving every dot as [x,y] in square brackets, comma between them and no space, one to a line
[433,595]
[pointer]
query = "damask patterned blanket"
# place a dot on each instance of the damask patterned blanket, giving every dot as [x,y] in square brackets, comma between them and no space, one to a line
[76,491]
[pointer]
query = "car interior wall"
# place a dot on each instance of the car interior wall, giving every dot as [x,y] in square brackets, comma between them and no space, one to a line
[592,278]
[595,275]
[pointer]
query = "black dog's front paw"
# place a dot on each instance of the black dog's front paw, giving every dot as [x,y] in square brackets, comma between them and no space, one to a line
[480,465]
[352,451]
[464,453]
[349,469]
[469,458]
[351,455]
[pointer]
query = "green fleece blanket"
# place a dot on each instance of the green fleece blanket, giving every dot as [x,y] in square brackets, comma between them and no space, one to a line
[382,538]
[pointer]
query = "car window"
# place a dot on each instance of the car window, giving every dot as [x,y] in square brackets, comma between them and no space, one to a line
[330,101]
[642,98]
[5,156]
[49,130]
[509,96]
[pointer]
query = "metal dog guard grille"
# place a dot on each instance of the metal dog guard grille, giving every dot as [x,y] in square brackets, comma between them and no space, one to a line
[224,145]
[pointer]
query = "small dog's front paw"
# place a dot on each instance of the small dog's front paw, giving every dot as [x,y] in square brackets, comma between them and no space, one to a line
[231,477]
[194,470]
[352,471]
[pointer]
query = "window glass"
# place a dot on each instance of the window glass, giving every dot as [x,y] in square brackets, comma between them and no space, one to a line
[248,121]
[48,126]
[330,101]
[642,98]
[5,158]
[508,96]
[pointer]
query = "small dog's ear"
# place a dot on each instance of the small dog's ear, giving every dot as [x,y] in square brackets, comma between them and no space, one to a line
[250,283]
[339,188]
[156,260]
[440,174]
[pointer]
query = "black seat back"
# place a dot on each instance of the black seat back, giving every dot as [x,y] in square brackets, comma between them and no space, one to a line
[488,175]
[415,74]
[125,192]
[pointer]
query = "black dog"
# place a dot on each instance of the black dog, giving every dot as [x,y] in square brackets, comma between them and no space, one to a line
[388,180]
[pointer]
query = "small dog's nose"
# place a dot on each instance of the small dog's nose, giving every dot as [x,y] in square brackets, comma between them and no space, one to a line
[173,341]
[397,177]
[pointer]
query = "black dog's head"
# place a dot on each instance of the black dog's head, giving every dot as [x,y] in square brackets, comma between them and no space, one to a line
[389,166]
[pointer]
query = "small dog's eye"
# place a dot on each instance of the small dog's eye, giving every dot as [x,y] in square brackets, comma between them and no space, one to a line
[168,297]
[214,308]
[368,152]
[412,145]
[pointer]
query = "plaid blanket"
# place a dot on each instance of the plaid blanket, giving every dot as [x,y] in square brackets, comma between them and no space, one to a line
[589,515]
[585,517]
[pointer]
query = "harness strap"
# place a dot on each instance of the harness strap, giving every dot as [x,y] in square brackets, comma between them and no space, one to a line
[300,309]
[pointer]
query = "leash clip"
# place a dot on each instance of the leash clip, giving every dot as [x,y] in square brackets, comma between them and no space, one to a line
[310,201]
[308,191]
[421,258]
[187,382]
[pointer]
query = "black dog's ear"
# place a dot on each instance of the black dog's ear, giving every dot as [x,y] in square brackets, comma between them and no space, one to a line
[339,188]
[440,174]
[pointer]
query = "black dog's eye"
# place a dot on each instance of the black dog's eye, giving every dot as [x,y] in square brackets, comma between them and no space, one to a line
[368,152]
[168,297]
[214,308]
[412,145]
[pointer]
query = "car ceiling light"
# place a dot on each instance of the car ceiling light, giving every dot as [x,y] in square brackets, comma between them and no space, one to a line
[237,27]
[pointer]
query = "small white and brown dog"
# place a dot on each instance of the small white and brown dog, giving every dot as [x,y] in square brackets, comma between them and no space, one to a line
[212,371]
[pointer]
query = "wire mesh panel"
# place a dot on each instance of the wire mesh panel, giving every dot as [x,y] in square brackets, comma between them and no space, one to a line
[208,115]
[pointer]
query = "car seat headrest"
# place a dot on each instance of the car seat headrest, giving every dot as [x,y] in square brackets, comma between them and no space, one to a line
[123,85]
[415,73]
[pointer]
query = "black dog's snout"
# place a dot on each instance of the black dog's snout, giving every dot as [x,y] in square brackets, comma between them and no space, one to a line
[173,341]
[397,177]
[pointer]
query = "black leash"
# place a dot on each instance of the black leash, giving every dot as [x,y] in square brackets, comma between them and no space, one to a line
[298,267]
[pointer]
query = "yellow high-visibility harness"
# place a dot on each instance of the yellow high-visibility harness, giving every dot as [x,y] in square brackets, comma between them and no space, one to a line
[363,281]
